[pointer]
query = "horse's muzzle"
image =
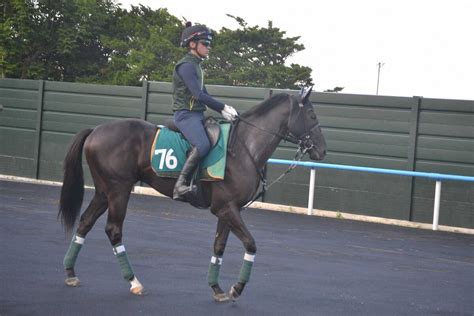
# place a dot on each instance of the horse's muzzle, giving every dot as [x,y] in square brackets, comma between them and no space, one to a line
[317,142]
[317,154]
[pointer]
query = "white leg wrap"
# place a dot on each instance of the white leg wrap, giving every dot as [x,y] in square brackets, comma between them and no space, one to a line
[249,257]
[215,260]
[119,249]
[79,240]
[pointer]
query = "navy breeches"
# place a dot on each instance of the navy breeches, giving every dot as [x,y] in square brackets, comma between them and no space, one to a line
[191,124]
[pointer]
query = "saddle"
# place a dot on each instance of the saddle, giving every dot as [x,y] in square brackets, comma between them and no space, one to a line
[169,150]
[211,126]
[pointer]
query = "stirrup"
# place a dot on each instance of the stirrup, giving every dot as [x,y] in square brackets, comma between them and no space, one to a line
[182,196]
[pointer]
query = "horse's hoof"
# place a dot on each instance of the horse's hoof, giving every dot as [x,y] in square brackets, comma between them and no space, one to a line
[136,287]
[234,295]
[73,281]
[139,290]
[221,297]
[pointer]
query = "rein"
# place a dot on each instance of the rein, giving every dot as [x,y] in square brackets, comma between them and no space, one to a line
[301,141]
[265,186]
[288,137]
[295,139]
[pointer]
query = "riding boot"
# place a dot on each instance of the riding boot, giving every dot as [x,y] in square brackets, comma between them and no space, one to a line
[182,188]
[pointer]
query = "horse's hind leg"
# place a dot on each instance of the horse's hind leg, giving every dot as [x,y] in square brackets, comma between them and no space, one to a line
[117,209]
[222,234]
[96,208]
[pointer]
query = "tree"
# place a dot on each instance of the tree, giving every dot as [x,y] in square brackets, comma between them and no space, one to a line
[16,33]
[144,45]
[255,56]
[335,89]
[97,41]
[54,40]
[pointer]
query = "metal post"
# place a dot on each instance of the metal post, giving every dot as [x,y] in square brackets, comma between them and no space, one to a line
[412,145]
[39,123]
[311,191]
[145,88]
[379,65]
[437,200]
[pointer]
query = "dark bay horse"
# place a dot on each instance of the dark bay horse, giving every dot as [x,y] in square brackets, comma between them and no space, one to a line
[118,155]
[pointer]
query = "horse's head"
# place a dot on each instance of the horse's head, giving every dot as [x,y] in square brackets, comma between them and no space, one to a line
[303,125]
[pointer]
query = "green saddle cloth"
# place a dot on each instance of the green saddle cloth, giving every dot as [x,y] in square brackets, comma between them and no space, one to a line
[168,154]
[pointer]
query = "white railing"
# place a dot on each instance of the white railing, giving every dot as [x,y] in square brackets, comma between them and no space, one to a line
[438,177]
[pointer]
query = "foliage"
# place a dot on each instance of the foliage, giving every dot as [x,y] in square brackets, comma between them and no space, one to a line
[57,40]
[335,89]
[256,56]
[97,41]
[144,45]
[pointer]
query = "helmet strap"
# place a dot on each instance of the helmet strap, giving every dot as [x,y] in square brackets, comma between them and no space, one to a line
[194,50]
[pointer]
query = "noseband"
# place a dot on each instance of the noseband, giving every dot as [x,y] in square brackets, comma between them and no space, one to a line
[298,133]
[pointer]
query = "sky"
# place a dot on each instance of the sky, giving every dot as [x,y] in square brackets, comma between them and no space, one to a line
[426,47]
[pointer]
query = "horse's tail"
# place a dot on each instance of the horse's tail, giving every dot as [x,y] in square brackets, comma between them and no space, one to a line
[72,191]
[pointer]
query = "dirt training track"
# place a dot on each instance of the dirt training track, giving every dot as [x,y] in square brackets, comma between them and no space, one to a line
[304,265]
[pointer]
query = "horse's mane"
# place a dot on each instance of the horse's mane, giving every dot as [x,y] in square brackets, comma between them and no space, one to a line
[265,106]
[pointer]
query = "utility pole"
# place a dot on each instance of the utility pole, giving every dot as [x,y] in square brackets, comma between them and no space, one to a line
[379,65]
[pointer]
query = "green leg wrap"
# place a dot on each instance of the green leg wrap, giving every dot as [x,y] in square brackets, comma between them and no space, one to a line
[246,268]
[213,272]
[125,267]
[73,251]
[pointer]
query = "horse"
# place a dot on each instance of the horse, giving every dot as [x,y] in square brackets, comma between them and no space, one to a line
[118,155]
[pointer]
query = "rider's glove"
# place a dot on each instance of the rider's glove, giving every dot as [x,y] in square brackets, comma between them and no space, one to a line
[229,113]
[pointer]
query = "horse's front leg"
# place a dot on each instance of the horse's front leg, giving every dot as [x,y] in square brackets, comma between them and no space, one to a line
[231,215]
[222,234]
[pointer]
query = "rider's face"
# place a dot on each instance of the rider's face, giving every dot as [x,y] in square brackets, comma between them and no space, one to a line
[201,48]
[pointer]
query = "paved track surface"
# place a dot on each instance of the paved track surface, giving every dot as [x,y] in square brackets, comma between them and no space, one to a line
[304,265]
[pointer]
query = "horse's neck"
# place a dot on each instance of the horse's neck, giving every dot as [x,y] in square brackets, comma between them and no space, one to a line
[263,141]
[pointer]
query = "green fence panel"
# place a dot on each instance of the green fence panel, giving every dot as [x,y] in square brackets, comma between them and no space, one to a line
[39,120]
[445,144]
[18,119]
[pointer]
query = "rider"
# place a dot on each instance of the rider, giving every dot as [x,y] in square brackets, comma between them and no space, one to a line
[190,99]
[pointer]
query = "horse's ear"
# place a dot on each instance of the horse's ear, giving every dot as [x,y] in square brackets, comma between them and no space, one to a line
[305,93]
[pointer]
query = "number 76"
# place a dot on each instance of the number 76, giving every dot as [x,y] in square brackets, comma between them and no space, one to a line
[167,158]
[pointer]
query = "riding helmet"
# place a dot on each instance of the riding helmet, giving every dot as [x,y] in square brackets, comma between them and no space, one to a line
[195,33]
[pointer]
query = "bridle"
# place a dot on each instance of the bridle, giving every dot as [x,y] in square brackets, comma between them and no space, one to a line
[297,133]
[294,134]
[300,136]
